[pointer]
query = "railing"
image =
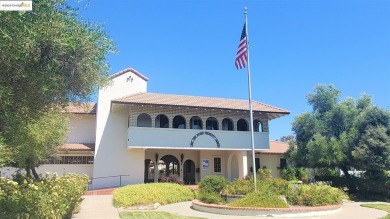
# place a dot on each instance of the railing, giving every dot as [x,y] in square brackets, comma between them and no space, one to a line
[90,183]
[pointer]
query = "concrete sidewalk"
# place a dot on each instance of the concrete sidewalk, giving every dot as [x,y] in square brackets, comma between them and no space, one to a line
[97,207]
[100,206]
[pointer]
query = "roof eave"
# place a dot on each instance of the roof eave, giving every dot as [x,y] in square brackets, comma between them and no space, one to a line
[129,70]
[276,114]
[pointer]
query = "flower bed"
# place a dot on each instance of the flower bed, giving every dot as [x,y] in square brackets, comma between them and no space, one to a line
[52,197]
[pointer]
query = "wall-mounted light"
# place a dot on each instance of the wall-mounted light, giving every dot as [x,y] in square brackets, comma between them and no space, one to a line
[181,158]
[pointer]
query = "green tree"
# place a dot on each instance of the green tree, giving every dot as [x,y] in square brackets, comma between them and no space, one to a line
[35,142]
[5,154]
[337,133]
[372,151]
[287,138]
[48,58]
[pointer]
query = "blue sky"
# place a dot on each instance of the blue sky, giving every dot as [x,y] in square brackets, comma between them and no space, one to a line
[188,47]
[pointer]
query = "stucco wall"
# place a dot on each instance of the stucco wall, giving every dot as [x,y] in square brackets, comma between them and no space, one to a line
[83,128]
[112,158]
[51,168]
[272,162]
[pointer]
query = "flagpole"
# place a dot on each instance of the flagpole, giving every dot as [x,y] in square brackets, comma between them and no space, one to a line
[250,100]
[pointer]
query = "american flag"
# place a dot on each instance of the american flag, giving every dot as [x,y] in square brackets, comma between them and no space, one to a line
[242,54]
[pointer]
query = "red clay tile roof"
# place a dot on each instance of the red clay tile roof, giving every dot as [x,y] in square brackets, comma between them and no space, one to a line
[276,147]
[129,70]
[201,102]
[78,147]
[82,108]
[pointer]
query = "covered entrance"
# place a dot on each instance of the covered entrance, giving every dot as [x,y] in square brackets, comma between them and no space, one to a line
[165,166]
[168,165]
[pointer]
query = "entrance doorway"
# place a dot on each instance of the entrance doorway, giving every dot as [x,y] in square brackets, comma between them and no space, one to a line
[168,165]
[189,172]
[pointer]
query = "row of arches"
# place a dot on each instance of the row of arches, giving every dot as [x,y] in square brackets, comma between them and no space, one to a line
[179,122]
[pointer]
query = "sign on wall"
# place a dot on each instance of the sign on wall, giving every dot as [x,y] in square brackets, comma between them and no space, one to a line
[205,164]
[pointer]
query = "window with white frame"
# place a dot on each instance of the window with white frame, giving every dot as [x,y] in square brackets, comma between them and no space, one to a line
[217,165]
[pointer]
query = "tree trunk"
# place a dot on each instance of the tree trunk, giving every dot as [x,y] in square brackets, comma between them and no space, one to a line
[351,183]
[36,176]
[28,172]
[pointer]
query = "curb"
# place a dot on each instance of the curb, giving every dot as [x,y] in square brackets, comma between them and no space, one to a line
[273,212]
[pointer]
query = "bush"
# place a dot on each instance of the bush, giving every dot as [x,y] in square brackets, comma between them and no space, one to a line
[288,174]
[210,197]
[53,197]
[239,187]
[277,186]
[316,195]
[261,198]
[264,173]
[300,174]
[213,184]
[378,189]
[172,179]
[146,194]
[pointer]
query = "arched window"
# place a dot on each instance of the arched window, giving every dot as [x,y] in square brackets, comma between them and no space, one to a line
[242,125]
[144,120]
[179,122]
[196,122]
[212,123]
[161,121]
[227,124]
[257,126]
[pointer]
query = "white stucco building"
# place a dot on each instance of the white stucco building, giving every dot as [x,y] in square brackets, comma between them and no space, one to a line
[131,136]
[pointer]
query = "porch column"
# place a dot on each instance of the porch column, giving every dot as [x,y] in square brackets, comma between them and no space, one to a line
[181,171]
[244,170]
[156,172]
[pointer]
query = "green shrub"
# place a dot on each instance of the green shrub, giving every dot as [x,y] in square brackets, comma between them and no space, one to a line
[239,187]
[213,184]
[244,186]
[146,194]
[316,195]
[277,186]
[300,174]
[210,197]
[195,192]
[378,189]
[261,198]
[53,197]
[288,174]
[264,173]
[291,174]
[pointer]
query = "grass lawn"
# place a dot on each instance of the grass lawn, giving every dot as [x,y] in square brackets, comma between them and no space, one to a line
[152,215]
[383,207]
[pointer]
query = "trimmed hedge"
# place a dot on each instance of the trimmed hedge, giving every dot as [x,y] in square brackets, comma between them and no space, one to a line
[53,197]
[239,187]
[213,184]
[261,198]
[147,194]
[307,195]
[316,195]
[245,186]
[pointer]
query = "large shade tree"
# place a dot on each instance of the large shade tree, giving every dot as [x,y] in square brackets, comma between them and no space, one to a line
[341,134]
[48,58]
